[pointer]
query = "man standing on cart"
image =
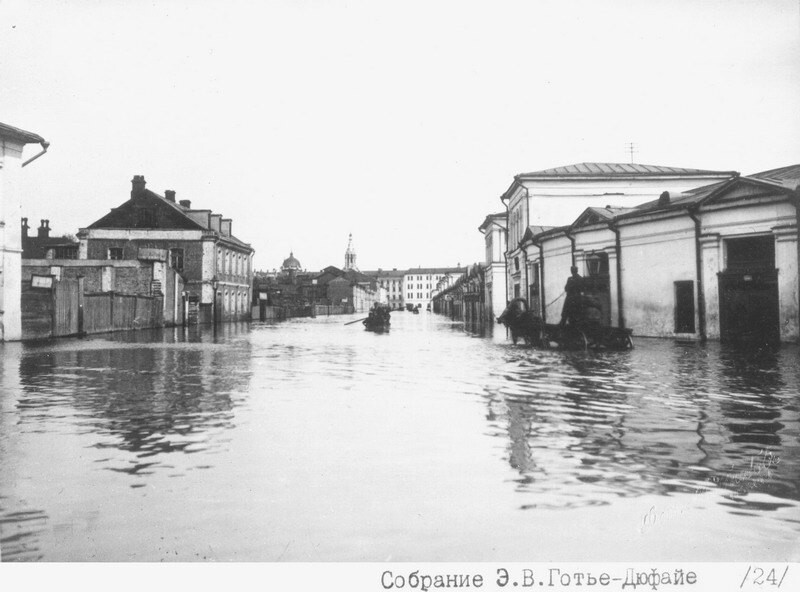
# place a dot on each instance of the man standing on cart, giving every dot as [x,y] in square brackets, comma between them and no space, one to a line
[573,302]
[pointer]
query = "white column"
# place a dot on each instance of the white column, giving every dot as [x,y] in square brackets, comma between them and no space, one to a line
[786,262]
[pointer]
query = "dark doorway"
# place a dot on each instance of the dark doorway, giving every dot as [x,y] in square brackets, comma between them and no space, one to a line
[597,282]
[684,307]
[748,292]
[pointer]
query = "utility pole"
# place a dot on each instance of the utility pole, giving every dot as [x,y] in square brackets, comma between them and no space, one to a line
[631,148]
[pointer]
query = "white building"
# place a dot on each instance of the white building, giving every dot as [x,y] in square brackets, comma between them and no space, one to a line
[556,196]
[419,284]
[494,230]
[717,262]
[12,143]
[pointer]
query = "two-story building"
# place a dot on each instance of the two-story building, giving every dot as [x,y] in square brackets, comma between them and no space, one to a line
[217,267]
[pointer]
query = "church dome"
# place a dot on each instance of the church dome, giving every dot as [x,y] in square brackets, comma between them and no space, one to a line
[291,263]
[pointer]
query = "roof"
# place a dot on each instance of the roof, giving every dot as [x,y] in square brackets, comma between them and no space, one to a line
[169,213]
[385,273]
[787,177]
[434,270]
[616,169]
[499,217]
[21,135]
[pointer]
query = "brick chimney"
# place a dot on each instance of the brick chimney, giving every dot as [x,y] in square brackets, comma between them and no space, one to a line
[44,229]
[137,185]
[186,203]
[25,228]
[169,195]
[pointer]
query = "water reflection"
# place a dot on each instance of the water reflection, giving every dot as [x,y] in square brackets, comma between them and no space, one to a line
[671,418]
[371,446]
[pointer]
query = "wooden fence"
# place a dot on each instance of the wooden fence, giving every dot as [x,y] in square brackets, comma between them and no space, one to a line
[63,310]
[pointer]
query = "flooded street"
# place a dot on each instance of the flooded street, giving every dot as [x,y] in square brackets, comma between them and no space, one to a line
[310,440]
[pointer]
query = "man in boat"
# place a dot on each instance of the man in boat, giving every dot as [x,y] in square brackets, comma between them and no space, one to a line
[573,303]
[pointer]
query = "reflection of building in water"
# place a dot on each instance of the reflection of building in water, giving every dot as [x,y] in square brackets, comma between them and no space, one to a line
[156,398]
[645,425]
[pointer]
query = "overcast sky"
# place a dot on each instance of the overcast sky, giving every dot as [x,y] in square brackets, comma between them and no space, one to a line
[401,122]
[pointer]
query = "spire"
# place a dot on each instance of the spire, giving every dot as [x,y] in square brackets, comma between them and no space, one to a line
[350,255]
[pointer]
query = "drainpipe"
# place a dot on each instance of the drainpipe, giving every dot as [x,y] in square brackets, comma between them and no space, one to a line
[618,249]
[541,283]
[568,234]
[701,293]
[45,146]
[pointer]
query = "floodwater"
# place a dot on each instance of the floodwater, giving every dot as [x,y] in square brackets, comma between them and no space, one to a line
[310,440]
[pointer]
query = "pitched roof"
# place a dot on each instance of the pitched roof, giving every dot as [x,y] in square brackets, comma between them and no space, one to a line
[786,177]
[21,135]
[499,217]
[169,213]
[594,215]
[617,169]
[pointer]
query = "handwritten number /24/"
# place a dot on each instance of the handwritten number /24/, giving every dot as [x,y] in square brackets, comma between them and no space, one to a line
[761,577]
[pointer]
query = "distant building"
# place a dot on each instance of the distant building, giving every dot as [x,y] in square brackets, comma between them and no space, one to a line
[44,246]
[12,142]
[420,284]
[494,230]
[217,267]
[392,283]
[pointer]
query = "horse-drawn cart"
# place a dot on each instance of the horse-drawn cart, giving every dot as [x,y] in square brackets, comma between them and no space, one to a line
[584,332]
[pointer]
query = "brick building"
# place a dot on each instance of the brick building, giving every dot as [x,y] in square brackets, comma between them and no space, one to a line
[216,267]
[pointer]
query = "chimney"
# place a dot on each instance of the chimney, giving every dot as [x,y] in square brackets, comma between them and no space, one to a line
[169,195]
[25,228]
[44,229]
[225,226]
[186,203]
[663,199]
[137,185]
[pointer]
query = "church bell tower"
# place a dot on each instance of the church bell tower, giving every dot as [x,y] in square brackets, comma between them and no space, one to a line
[350,255]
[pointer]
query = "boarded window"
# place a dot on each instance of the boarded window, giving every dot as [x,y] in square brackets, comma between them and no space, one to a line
[684,307]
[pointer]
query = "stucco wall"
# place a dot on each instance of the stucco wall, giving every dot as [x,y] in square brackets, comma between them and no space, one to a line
[654,256]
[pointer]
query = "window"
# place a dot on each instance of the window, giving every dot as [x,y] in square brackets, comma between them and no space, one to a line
[176,259]
[750,253]
[70,252]
[684,307]
[516,263]
[146,219]
[115,253]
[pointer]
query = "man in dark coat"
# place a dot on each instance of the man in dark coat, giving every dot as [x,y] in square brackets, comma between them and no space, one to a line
[572,303]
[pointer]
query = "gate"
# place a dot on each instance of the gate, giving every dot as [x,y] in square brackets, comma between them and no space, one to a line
[748,305]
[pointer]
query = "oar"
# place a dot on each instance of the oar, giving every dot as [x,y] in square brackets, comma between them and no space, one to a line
[351,322]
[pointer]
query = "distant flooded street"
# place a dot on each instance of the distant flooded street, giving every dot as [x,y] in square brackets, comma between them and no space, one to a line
[310,440]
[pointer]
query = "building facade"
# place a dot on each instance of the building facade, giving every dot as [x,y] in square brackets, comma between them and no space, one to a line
[555,197]
[716,262]
[216,267]
[494,229]
[420,284]
[12,143]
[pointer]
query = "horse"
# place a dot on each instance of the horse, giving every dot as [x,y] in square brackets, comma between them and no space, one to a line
[521,321]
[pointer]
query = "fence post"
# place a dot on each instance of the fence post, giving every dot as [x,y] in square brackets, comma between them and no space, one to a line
[81,281]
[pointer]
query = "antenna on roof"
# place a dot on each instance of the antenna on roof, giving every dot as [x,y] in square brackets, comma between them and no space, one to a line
[631,148]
